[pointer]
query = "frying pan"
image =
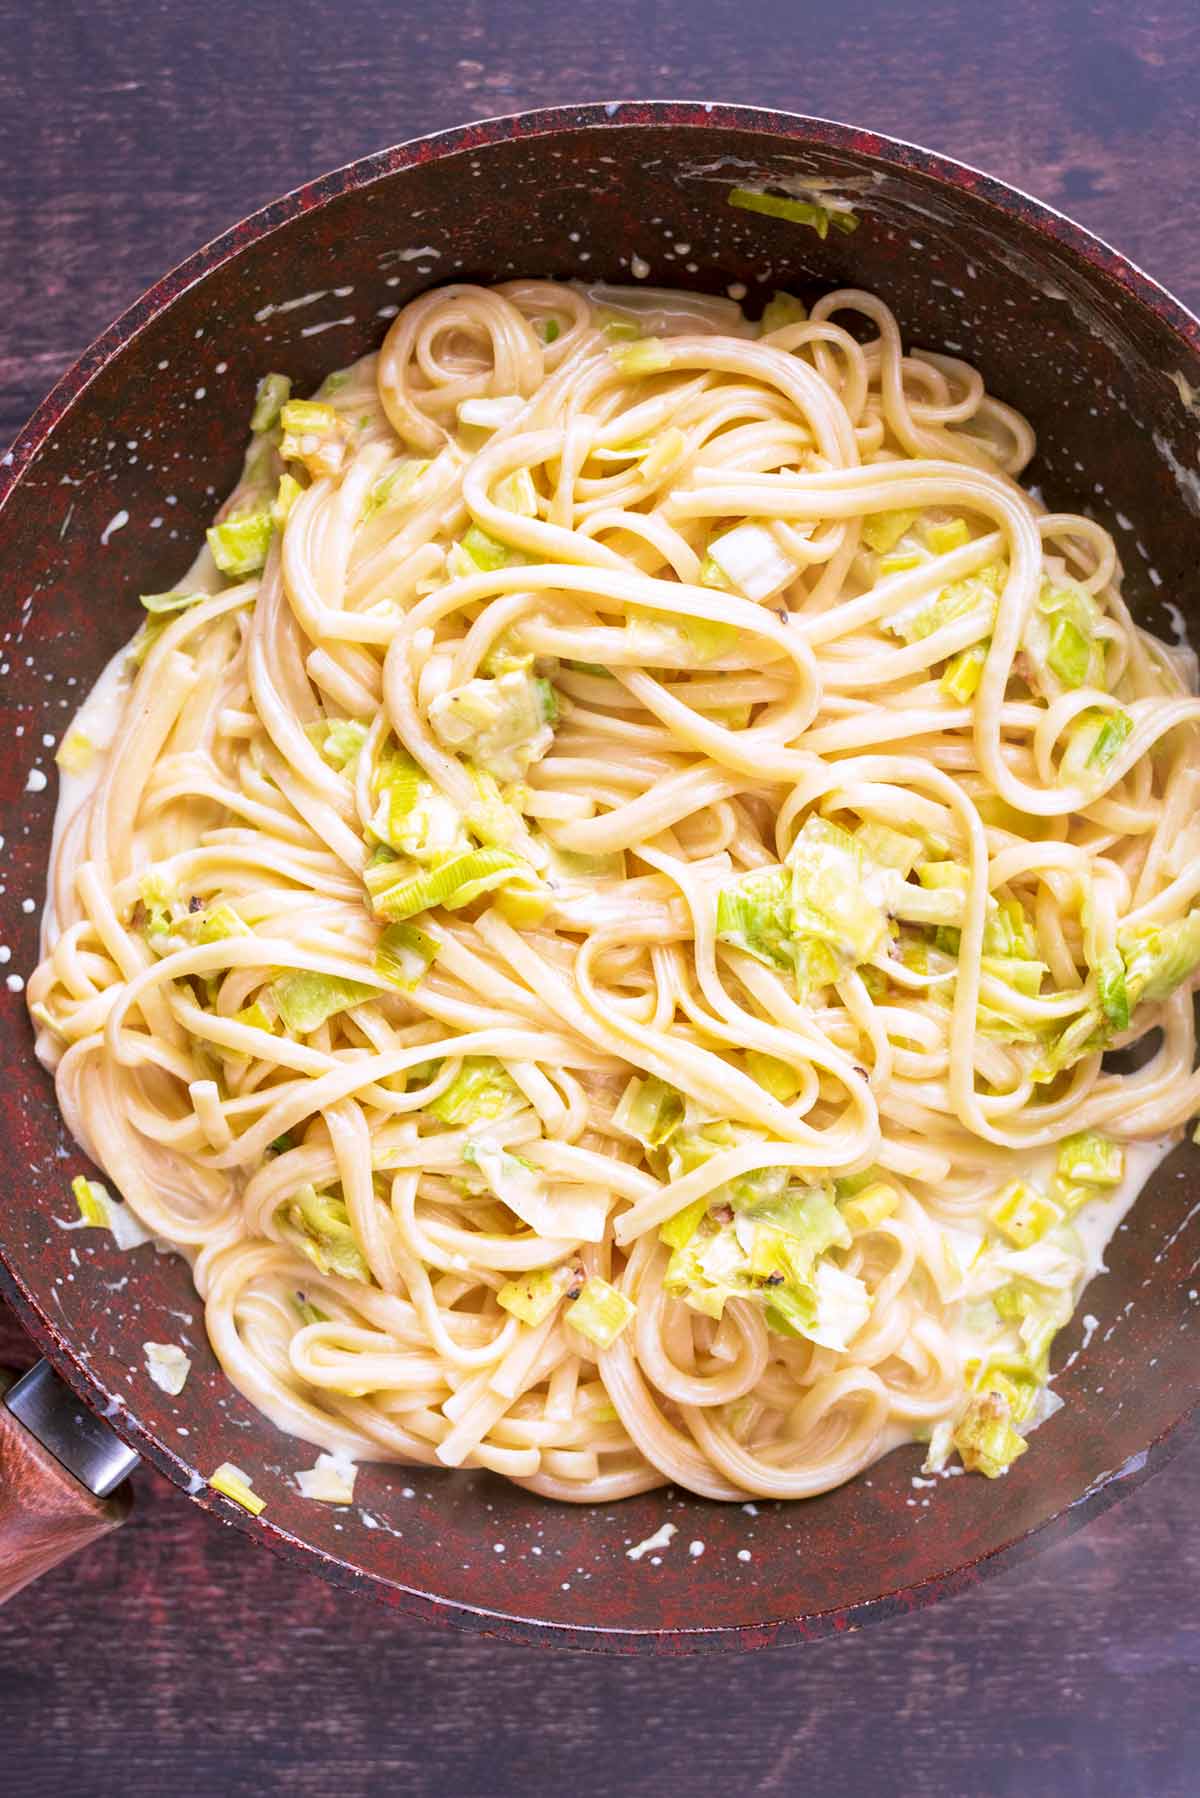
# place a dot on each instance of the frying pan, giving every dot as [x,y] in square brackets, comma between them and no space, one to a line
[105,495]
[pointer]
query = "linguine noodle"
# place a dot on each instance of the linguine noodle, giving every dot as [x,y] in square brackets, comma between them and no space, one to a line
[594,917]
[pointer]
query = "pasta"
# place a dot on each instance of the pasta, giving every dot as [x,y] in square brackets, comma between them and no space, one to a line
[595,915]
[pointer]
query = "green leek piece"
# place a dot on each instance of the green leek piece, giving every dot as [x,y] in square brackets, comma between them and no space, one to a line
[1013,1382]
[963,672]
[480,1092]
[287,493]
[649,1110]
[777,1077]
[1112,989]
[325,1234]
[1159,957]
[343,742]
[160,605]
[1023,1214]
[888,848]
[647,357]
[158,897]
[600,1312]
[1070,652]
[796,212]
[942,538]
[881,531]
[754,914]
[1091,1157]
[503,724]
[239,545]
[1109,739]
[532,1297]
[678,1231]
[403,955]
[828,900]
[392,487]
[752,561]
[780,310]
[960,599]
[215,924]
[255,1017]
[304,1000]
[866,1209]
[453,883]
[270,396]
[985,1438]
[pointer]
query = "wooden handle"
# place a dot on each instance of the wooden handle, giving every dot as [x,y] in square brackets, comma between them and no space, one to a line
[45,1513]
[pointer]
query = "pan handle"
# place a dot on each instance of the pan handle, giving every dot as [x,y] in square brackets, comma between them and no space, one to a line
[63,1477]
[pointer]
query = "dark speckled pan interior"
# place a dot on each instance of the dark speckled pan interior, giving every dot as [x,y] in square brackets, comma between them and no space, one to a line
[106,494]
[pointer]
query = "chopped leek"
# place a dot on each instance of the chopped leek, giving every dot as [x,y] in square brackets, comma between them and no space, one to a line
[780,310]
[396,894]
[270,396]
[868,1208]
[314,435]
[777,1077]
[752,560]
[883,530]
[158,899]
[305,1000]
[1092,1158]
[342,743]
[942,538]
[256,1017]
[647,357]
[531,1298]
[963,672]
[504,724]
[161,605]
[403,954]
[392,487]
[232,1483]
[677,1231]
[649,1110]
[487,553]
[214,924]
[985,1438]
[326,1235]
[1111,735]
[1160,957]
[574,1213]
[889,848]
[960,599]
[797,212]
[600,1312]
[286,495]
[239,545]
[480,1092]
[829,903]
[1023,1214]
[754,914]
[1060,636]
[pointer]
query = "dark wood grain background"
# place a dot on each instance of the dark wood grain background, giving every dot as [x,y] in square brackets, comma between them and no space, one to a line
[173,1658]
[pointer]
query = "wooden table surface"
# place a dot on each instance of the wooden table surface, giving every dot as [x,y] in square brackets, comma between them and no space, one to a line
[176,1659]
